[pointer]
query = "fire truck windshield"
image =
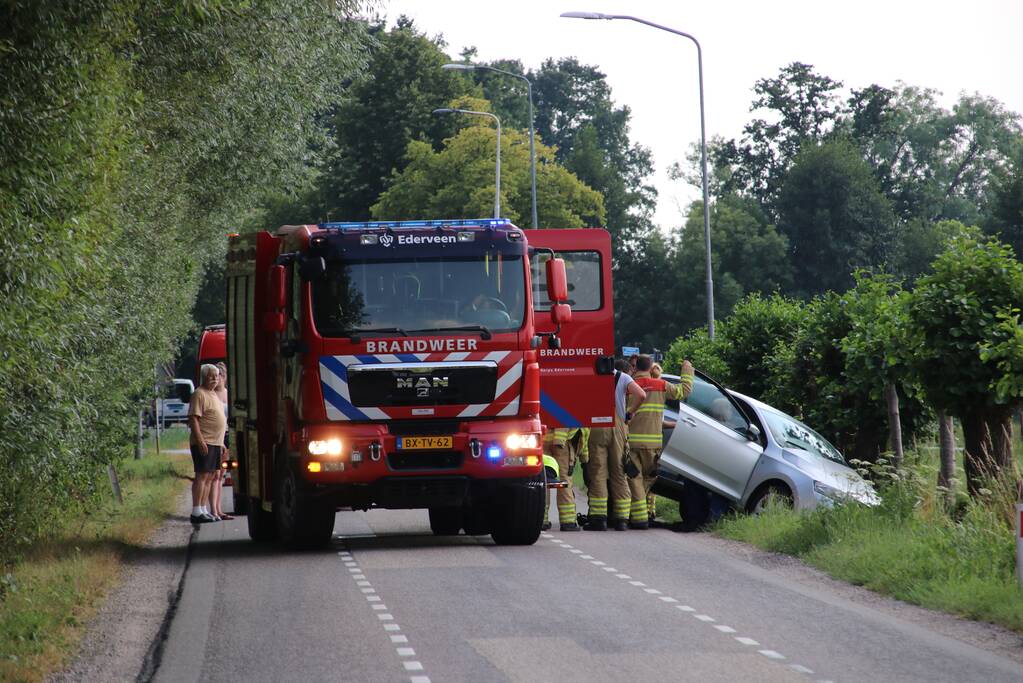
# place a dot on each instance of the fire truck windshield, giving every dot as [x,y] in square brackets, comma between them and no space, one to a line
[429,295]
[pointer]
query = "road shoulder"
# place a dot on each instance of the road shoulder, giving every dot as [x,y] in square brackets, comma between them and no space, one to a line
[792,570]
[119,639]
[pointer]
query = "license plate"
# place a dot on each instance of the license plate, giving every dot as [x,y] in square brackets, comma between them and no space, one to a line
[409,443]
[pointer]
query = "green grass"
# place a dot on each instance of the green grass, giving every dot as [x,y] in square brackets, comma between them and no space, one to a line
[172,438]
[908,548]
[46,598]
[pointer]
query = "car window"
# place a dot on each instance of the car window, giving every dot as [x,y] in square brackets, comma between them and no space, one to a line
[709,400]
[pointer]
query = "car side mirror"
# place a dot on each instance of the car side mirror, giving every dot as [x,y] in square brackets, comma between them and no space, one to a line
[753,432]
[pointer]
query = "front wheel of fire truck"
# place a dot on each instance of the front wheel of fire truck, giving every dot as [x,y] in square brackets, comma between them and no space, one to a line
[518,519]
[302,521]
[261,522]
[445,521]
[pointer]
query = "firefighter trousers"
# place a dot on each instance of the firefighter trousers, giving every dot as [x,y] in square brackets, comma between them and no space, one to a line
[566,496]
[607,446]
[646,460]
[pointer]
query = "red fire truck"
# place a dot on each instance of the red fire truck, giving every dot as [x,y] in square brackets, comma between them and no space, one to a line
[411,365]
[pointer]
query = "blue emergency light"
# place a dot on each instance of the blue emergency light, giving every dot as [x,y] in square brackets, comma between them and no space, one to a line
[450,223]
[494,452]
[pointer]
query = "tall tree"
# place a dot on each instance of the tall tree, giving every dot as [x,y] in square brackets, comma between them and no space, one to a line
[382,111]
[967,355]
[835,217]
[458,182]
[576,115]
[803,108]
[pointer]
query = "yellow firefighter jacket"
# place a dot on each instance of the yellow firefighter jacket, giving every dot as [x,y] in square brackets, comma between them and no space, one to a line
[645,427]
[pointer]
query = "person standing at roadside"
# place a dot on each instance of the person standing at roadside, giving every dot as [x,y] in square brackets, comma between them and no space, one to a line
[217,488]
[607,447]
[646,435]
[206,441]
[567,446]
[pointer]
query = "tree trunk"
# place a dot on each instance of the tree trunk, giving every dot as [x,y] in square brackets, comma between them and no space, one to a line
[115,484]
[891,395]
[988,456]
[947,441]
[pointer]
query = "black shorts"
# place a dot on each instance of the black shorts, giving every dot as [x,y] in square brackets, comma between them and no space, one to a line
[206,463]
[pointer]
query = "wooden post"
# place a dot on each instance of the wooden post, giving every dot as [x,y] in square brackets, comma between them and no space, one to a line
[138,437]
[947,451]
[891,395]
[115,484]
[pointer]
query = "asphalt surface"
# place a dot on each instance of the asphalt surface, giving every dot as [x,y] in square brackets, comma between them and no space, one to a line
[390,602]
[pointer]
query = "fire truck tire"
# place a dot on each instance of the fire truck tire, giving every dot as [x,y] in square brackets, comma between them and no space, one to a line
[477,521]
[302,522]
[261,523]
[445,521]
[518,520]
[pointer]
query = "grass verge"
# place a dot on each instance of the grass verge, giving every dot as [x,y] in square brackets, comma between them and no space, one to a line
[905,548]
[49,595]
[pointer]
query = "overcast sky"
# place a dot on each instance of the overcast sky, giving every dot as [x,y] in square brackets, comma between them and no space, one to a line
[951,46]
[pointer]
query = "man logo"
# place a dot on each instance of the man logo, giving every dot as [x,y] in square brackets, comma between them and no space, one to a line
[386,240]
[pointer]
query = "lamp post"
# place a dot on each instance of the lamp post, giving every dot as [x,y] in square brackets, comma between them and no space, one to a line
[703,143]
[532,135]
[497,175]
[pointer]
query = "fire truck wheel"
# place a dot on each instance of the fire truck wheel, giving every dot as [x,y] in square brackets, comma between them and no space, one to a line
[261,523]
[518,520]
[477,520]
[302,521]
[445,521]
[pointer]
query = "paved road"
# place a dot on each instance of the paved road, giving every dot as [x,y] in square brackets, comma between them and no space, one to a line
[390,602]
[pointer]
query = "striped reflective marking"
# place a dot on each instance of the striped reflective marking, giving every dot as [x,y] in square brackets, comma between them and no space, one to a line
[511,409]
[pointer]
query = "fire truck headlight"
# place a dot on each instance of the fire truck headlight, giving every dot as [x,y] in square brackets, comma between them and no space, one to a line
[325,447]
[516,441]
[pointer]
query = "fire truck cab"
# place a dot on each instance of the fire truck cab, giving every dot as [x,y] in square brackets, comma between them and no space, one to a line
[411,365]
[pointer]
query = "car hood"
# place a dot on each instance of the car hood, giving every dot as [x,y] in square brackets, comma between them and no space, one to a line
[833,474]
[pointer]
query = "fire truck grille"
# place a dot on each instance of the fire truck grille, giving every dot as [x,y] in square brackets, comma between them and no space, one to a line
[416,492]
[424,427]
[422,386]
[425,460]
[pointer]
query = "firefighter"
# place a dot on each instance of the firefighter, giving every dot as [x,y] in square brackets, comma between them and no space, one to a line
[607,446]
[567,446]
[645,435]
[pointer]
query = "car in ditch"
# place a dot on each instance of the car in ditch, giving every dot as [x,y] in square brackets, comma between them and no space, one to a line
[723,445]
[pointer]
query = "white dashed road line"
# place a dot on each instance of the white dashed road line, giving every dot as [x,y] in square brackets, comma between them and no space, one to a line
[384,617]
[692,611]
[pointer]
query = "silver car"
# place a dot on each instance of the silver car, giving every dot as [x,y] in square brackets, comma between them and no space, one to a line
[745,451]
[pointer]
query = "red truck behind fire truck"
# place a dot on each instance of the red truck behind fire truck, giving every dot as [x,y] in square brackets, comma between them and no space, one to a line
[411,365]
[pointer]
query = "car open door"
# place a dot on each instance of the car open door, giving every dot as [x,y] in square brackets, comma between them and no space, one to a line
[576,380]
[710,444]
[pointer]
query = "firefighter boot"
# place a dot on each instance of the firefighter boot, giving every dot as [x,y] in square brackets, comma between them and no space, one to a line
[568,526]
[596,523]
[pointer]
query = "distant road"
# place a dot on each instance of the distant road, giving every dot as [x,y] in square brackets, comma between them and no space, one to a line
[388,601]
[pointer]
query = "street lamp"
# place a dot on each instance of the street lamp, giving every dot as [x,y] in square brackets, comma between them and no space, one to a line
[497,179]
[703,143]
[532,136]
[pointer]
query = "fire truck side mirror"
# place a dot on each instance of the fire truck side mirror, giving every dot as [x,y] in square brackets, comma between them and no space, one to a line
[274,321]
[278,294]
[557,281]
[561,314]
